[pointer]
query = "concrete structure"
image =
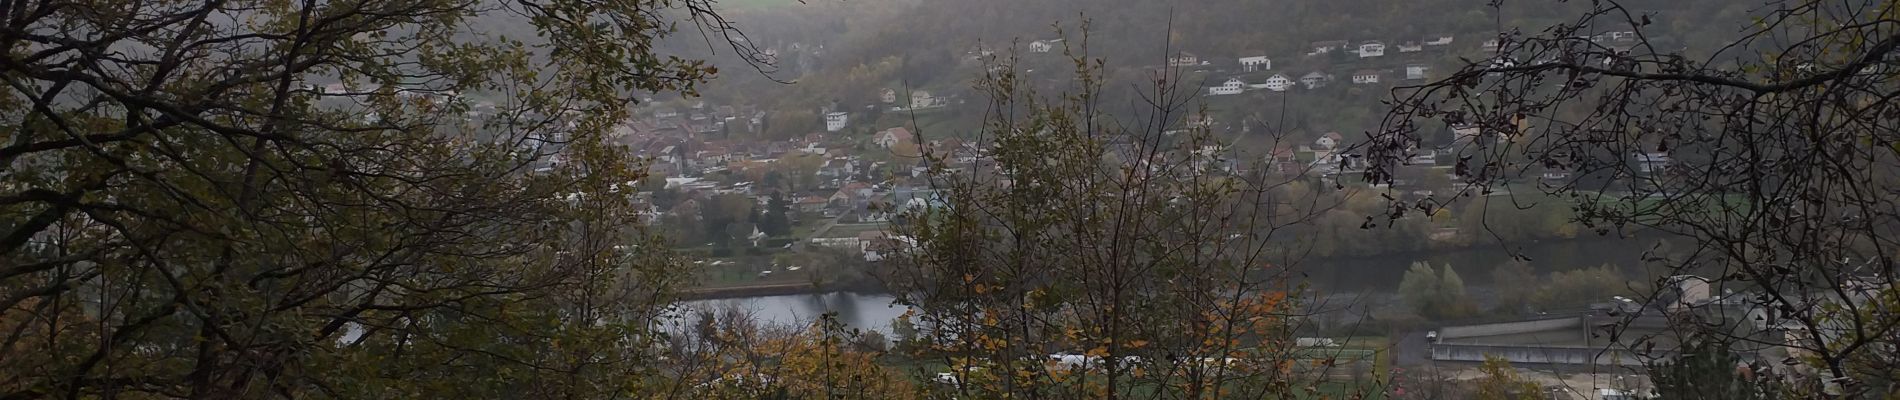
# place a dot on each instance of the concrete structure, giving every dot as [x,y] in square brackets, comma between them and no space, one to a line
[1277,83]
[1231,86]
[1689,291]
[1255,63]
[1316,80]
[1562,340]
[1372,48]
[836,121]
[1562,355]
[1044,46]
[1363,77]
[889,138]
[1183,59]
[1327,46]
[1652,162]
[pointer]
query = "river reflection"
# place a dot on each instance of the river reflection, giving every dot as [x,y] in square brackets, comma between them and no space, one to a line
[861,311]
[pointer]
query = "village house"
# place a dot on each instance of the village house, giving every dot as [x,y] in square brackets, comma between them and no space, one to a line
[888,96]
[979,52]
[1365,76]
[1465,133]
[850,194]
[665,113]
[810,204]
[891,137]
[1411,47]
[777,149]
[883,246]
[1255,63]
[838,167]
[688,208]
[1416,71]
[1652,162]
[1500,63]
[1324,161]
[1438,40]
[713,155]
[1327,46]
[1490,45]
[922,99]
[1470,133]
[835,121]
[1183,59]
[1316,79]
[1200,120]
[1371,48]
[1427,157]
[1282,160]
[1329,141]
[1277,83]
[1231,86]
[1044,46]
[813,148]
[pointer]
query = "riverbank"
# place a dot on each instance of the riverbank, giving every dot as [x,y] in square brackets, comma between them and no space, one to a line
[771,289]
[777,289]
[1375,273]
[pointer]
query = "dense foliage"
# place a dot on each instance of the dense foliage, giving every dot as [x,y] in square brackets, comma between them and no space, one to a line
[218,199]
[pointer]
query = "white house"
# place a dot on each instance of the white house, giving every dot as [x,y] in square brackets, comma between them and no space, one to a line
[1371,48]
[1277,83]
[1411,47]
[1231,86]
[1501,63]
[1654,162]
[1315,79]
[1044,46]
[1365,76]
[1255,63]
[1491,45]
[1329,140]
[887,96]
[1183,59]
[921,99]
[1416,71]
[835,121]
[666,113]
[1465,133]
[1323,47]
[1438,40]
[891,137]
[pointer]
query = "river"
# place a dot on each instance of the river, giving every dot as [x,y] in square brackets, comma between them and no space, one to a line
[862,311]
[1375,274]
